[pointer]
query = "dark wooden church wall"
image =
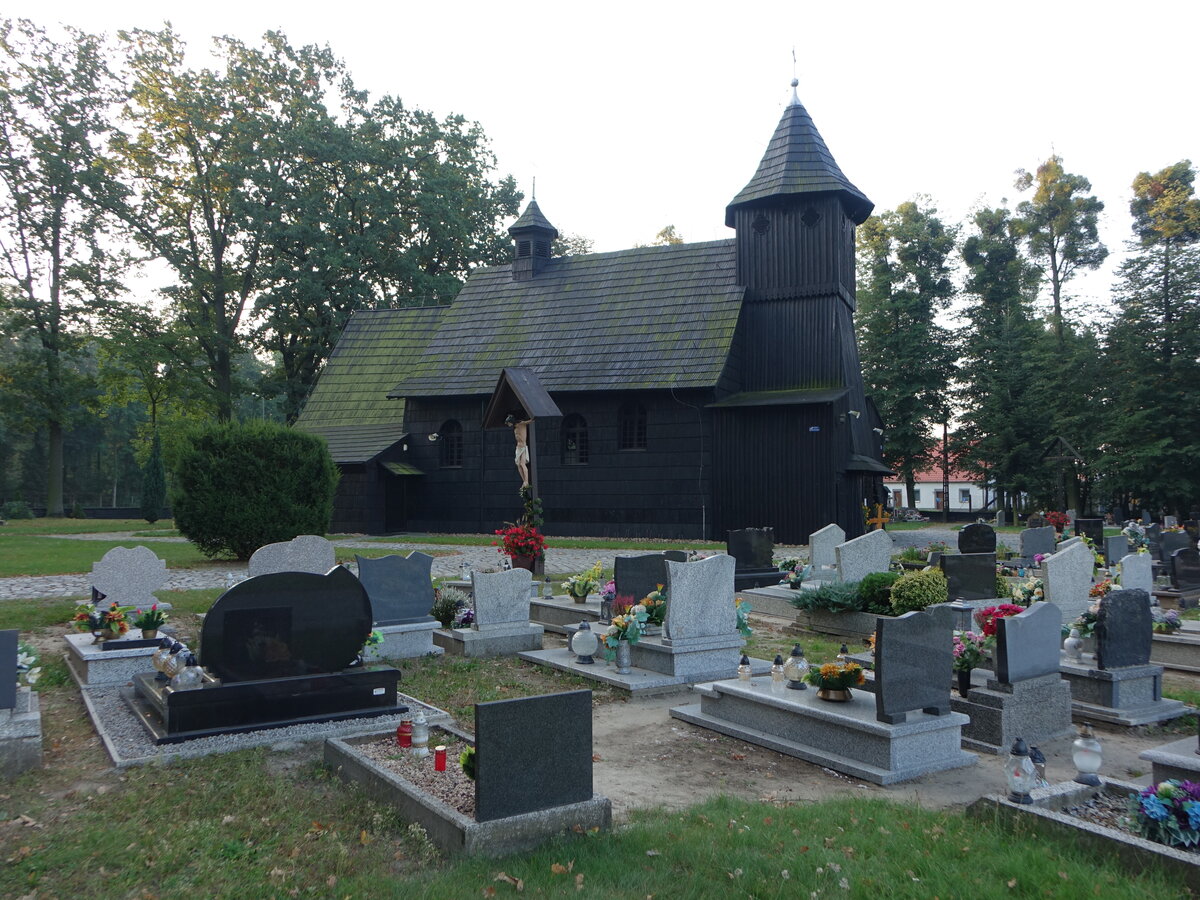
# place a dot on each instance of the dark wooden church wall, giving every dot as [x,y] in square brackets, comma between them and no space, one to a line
[773,471]
[797,249]
[445,499]
[357,503]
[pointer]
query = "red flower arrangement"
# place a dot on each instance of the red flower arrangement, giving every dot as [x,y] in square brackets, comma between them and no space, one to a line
[522,540]
[1058,519]
[986,617]
[623,604]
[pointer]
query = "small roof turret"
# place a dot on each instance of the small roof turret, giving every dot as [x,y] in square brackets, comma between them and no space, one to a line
[532,220]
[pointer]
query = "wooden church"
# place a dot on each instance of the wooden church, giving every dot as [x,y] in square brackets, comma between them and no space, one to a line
[691,389]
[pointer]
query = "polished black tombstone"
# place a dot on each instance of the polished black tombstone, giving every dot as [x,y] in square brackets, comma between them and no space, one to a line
[1092,529]
[8,669]
[277,649]
[400,588]
[533,753]
[1174,540]
[638,576]
[1185,569]
[914,659]
[969,576]
[1124,629]
[753,550]
[979,537]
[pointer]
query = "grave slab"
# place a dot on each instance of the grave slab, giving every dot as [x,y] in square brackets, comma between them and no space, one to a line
[1128,696]
[823,545]
[858,558]
[1185,569]
[1036,709]
[501,626]
[20,734]
[405,642]
[1177,759]
[562,615]
[753,550]
[91,665]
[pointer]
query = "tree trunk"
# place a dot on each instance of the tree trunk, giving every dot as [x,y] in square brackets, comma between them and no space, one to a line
[54,470]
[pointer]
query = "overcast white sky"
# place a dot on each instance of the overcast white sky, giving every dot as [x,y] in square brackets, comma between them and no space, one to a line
[635,115]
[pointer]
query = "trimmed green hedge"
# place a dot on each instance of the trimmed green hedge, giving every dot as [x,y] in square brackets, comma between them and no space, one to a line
[917,590]
[236,487]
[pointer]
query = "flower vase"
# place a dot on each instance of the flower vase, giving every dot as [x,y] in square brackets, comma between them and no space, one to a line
[964,682]
[1073,647]
[578,598]
[624,658]
[149,634]
[103,634]
[523,562]
[834,695]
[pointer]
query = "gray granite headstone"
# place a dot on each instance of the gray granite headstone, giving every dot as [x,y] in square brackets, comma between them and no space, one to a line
[8,668]
[1170,521]
[977,537]
[401,589]
[1175,540]
[1028,644]
[1154,539]
[533,753]
[1092,529]
[1137,572]
[1069,542]
[700,603]
[914,659]
[752,548]
[1185,569]
[823,545]
[129,576]
[637,576]
[970,576]
[1001,521]
[1037,520]
[1116,548]
[1146,520]
[858,558]
[1124,630]
[501,598]
[1038,540]
[1069,579]
[306,553]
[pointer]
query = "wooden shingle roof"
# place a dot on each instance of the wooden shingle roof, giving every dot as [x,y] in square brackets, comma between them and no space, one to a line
[798,162]
[651,317]
[349,404]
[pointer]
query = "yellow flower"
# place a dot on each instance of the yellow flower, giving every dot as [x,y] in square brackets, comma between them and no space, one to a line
[829,670]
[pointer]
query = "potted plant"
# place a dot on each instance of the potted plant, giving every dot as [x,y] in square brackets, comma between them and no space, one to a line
[103,622]
[579,586]
[655,603]
[1165,621]
[833,681]
[523,543]
[968,654]
[795,577]
[149,621]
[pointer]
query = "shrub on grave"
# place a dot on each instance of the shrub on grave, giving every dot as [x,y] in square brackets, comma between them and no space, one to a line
[1003,587]
[875,592]
[236,487]
[917,590]
[836,596]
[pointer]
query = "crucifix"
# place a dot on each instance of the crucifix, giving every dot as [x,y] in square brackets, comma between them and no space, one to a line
[523,435]
[879,519]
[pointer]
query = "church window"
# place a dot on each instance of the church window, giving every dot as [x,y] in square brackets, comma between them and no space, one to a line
[631,426]
[810,217]
[450,449]
[574,440]
[761,224]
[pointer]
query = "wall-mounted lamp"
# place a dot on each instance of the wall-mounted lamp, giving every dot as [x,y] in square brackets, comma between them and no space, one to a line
[434,436]
[856,413]
[878,431]
[404,448]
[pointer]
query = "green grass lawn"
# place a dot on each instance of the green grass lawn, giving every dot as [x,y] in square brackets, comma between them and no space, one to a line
[85,526]
[31,554]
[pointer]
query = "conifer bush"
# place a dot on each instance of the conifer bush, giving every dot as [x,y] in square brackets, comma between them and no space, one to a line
[154,483]
[917,590]
[236,487]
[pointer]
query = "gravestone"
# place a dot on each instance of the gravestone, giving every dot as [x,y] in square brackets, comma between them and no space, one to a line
[858,558]
[1092,529]
[1170,522]
[753,550]
[1185,569]
[1028,644]
[1068,579]
[1174,540]
[1192,527]
[1071,516]
[1154,539]
[532,754]
[1001,521]
[1124,630]
[1146,519]
[638,576]
[1038,540]
[977,538]
[129,576]
[700,600]
[279,625]
[278,658]
[306,553]
[8,669]
[1037,520]
[1137,572]
[400,588]
[501,625]
[823,546]
[1069,542]
[970,576]
[1116,548]
[914,658]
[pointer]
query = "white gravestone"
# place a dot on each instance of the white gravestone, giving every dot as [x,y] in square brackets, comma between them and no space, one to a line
[1137,572]
[129,576]
[823,544]
[860,557]
[1069,578]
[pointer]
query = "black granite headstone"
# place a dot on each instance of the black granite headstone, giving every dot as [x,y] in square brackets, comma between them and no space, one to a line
[8,669]
[1174,540]
[531,754]
[1037,520]
[1185,569]
[286,624]
[970,576]
[1192,527]
[752,548]
[978,537]
[1027,644]
[637,576]
[1092,529]
[914,658]
[1124,629]
[1116,548]
[401,589]
[1154,539]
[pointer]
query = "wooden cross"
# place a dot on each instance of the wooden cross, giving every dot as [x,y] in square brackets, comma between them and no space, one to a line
[879,519]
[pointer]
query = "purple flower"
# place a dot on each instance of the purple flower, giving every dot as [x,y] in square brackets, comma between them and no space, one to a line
[1154,808]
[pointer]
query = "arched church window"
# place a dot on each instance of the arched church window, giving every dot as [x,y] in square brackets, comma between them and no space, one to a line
[574,440]
[450,449]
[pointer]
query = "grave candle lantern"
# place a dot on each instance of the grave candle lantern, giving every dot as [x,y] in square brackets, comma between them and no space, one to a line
[404,733]
[743,670]
[584,644]
[795,669]
[1020,774]
[1087,756]
[420,736]
[777,673]
[439,758]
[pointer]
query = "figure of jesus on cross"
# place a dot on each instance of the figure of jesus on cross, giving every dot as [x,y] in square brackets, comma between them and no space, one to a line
[521,434]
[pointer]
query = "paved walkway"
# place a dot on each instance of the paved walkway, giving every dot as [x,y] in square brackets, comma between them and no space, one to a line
[558,562]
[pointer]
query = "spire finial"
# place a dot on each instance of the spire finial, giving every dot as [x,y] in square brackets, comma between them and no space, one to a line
[534,197]
[795,95]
